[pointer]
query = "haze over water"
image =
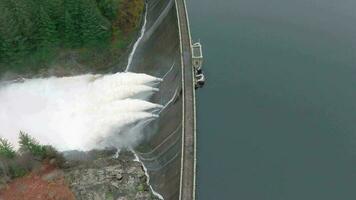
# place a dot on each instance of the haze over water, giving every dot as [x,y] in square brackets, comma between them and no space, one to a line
[277,118]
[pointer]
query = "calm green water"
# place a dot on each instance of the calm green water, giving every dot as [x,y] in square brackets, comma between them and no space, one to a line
[277,119]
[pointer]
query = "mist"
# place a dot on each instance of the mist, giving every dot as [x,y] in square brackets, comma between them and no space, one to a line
[81,112]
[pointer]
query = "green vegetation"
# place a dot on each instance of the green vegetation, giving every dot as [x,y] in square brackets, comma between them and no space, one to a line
[141,188]
[17,171]
[6,149]
[38,34]
[30,154]
[30,145]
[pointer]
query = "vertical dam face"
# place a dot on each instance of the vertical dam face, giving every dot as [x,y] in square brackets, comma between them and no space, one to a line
[158,54]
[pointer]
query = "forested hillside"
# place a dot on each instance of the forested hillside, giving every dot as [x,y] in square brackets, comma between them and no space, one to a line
[38,34]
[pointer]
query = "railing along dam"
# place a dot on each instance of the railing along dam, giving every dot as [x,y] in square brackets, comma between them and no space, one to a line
[169,149]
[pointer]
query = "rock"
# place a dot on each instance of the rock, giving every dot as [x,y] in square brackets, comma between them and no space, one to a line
[52,161]
[119,177]
[115,185]
[52,175]
[106,177]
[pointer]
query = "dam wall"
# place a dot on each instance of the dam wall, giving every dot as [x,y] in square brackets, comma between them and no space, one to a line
[158,54]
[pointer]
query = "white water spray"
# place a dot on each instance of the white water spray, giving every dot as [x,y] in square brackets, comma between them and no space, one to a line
[80,112]
[142,33]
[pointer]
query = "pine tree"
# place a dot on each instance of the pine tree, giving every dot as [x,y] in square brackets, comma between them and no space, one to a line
[109,8]
[69,31]
[71,23]
[6,149]
[30,145]
[46,34]
[23,13]
[9,31]
[32,28]
[2,49]
[93,26]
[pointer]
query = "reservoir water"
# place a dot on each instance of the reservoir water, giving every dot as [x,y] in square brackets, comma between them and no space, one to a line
[277,118]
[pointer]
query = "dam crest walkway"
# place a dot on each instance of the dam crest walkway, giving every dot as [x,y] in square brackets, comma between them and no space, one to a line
[188,154]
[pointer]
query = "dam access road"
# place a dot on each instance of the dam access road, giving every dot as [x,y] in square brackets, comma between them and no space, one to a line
[188,158]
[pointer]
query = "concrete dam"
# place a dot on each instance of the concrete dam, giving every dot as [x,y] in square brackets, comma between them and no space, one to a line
[164,50]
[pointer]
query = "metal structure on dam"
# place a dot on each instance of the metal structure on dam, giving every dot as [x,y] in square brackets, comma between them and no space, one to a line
[169,149]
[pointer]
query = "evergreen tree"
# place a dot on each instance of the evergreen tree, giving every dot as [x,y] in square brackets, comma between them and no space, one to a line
[45,34]
[109,8]
[72,23]
[6,149]
[23,13]
[30,145]
[69,31]
[9,32]
[32,28]
[93,27]
[1,49]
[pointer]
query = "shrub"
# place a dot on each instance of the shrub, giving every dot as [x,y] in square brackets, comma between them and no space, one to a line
[30,145]
[129,15]
[6,149]
[52,154]
[17,171]
[31,156]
